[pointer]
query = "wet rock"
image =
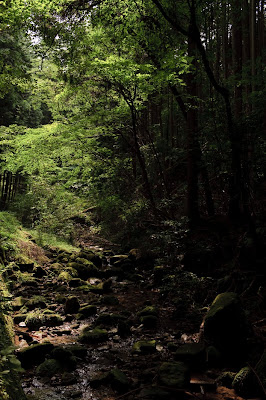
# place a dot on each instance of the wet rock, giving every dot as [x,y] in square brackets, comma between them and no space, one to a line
[174,374]
[72,305]
[34,354]
[155,393]
[225,326]
[49,368]
[96,335]
[144,347]
[192,354]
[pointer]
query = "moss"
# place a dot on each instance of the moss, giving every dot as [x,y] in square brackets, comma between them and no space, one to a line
[149,310]
[95,335]
[144,346]
[49,368]
[174,374]
[38,318]
[88,311]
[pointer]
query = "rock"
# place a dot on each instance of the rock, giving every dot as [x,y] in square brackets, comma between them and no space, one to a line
[246,383]
[95,335]
[149,321]
[225,326]
[174,374]
[149,310]
[123,329]
[88,311]
[116,378]
[26,267]
[109,319]
[91,256]
[118,257]
[192,354]
[144,346]
[36,302]
[35,320]
[34,354]
[65,357]
[85,270]
[72,305]
[18,302]
[19,318]
[78,351]
[214,356]
[76,282]
[49,368]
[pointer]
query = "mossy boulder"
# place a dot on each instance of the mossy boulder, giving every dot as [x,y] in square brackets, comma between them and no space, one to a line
[88,311]
[109,319]
[174,374]
[118,258]
[226,379]
[34,354]
[72,305]
[85,269]
[192,354]
[78,350]
[36,319]
[65,357]
[115,378]
[18,302]
[149,310]
[36,302]
[96,335]
[226,327]
[156,393]
[49,368]
[95,258]
[144,347]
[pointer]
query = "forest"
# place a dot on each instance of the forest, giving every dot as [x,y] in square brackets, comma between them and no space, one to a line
[132,199]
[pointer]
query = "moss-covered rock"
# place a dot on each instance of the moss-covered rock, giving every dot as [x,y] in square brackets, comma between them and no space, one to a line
[34,354]
[78,350]
[18,302]
[192,354]
[72,305]
[226,379]
[88,311]
[174,374]
[226,327]
[156,393]
[38,318]
[86,270]
[261,369]
[96,335]
[115,378]
[36,302]
[109,319]
[49,368]
[246,383]
[144,346]
[65,357]
[149,310]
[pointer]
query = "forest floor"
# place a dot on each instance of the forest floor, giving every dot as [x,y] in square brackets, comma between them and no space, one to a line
[114,300]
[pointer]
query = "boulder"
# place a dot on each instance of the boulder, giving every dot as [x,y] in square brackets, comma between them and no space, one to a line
[34,354]
[174,374]
[193,354]
[149,321]
[72,305]
[95,335]
[144,347]
[88,311]
[246,383]
[226,327]
[49,368]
